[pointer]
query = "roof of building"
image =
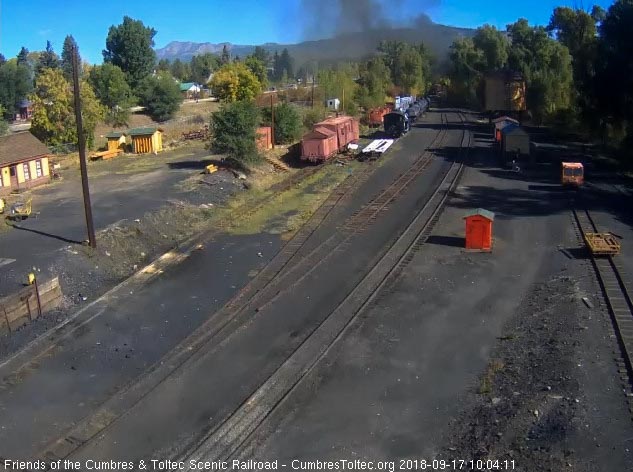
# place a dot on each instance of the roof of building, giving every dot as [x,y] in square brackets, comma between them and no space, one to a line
[573,165]
[22,146]
[186,86]
[513,129]
[24,103]
[115,134]
[505,118]
[143,131]
[481,212]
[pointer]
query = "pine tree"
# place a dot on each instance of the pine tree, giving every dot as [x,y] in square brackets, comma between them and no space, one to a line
[23,56]
[226,56]
[67,58]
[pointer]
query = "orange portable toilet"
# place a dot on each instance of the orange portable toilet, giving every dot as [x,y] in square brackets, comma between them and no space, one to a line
[479,230]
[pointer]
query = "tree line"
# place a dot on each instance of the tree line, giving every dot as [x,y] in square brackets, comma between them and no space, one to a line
[577,68]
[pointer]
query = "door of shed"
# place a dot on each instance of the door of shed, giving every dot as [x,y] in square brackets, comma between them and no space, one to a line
[479,230]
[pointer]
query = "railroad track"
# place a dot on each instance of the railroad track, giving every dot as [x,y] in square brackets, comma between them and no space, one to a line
[618,293]
[231,437]
[269,284]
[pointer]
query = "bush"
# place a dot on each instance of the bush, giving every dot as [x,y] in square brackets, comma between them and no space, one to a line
[287,123]
[312,116]
[234,130]
[160,95]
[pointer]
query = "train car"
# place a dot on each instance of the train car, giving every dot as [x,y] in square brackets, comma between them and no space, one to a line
[328,138]
[414,111]
[376,115]
[396,124]
[572,174]
[402,103]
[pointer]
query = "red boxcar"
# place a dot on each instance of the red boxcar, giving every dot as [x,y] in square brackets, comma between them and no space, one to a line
[319,145]
[338,132]
[376,115]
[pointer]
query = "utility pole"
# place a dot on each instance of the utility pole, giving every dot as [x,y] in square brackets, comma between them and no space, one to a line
[81,142]
[313,80]
[272,116]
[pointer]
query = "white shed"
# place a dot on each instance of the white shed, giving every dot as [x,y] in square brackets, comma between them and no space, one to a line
[333,103]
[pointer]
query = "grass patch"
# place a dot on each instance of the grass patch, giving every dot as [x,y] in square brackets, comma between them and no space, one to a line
[487,381]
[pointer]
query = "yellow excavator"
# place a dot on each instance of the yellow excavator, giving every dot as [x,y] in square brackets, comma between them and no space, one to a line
[20,210]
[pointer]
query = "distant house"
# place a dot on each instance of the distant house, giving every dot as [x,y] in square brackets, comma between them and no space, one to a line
[146,140]
[190,90]
[23,162]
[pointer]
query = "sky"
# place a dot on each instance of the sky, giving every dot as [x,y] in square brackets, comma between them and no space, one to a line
[31,23]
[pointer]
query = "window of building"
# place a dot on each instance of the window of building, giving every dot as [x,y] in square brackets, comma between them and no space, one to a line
[25,168]
[38,168]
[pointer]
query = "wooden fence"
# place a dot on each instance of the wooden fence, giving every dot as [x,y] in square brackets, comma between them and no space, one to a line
[25,306]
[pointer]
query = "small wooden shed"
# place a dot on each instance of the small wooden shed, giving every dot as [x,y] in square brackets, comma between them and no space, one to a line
[515,140]
[264,138]
[479,230]
[501,123]
[146,140]
[116,140]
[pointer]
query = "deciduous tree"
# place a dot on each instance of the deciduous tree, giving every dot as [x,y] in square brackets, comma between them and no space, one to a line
[113,91]
[53,109]
[235,82]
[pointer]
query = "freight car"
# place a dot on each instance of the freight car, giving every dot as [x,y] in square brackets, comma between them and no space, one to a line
[328,138]
[396,124]
[376,115]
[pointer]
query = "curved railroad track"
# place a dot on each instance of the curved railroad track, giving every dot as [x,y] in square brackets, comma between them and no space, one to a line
[231,436]
[284,271]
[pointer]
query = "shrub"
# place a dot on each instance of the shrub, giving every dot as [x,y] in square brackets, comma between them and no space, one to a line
[234,129]
[287,123]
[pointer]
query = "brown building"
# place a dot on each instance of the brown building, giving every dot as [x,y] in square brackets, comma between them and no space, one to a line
[23,162]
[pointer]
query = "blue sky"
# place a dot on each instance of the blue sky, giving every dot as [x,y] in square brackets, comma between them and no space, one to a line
[31,22]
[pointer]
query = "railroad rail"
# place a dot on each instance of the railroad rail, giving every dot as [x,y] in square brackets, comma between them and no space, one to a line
[616,287]
[231,436]
[280,275]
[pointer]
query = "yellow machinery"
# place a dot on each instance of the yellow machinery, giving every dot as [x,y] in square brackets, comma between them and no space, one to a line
[602,244]
[2,205]
[20,210]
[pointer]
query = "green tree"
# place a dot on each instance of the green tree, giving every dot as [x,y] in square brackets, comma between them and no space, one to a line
[494,46]
[235,82]
[258,68]
[180,70]
[15,84]
[130,46]
[67,57]
[466,64]
[375,81]
[261,54]
[112,90]
[23,56]
[225,58]
[4,126]
[339,83]
[160,95]
[234,129]
[287,123]
[53,109]
[48,59]
[546,66]
[202,66]
[614,80]
[163,65]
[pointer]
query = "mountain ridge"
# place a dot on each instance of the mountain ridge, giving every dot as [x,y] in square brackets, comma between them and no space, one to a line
[350,46]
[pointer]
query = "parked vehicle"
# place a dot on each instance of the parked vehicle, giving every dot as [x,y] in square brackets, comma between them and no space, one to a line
[396,124]
[20,210]
[572,174]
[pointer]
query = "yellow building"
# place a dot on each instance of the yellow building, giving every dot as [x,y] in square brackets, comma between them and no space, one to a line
[23,162]
[116,140]
[146,140]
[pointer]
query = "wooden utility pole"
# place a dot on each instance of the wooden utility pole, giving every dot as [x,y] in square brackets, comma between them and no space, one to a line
[81,143]
[272,120]
[313,80]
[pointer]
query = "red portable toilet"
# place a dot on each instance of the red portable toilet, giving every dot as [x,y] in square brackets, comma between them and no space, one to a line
[479,230]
